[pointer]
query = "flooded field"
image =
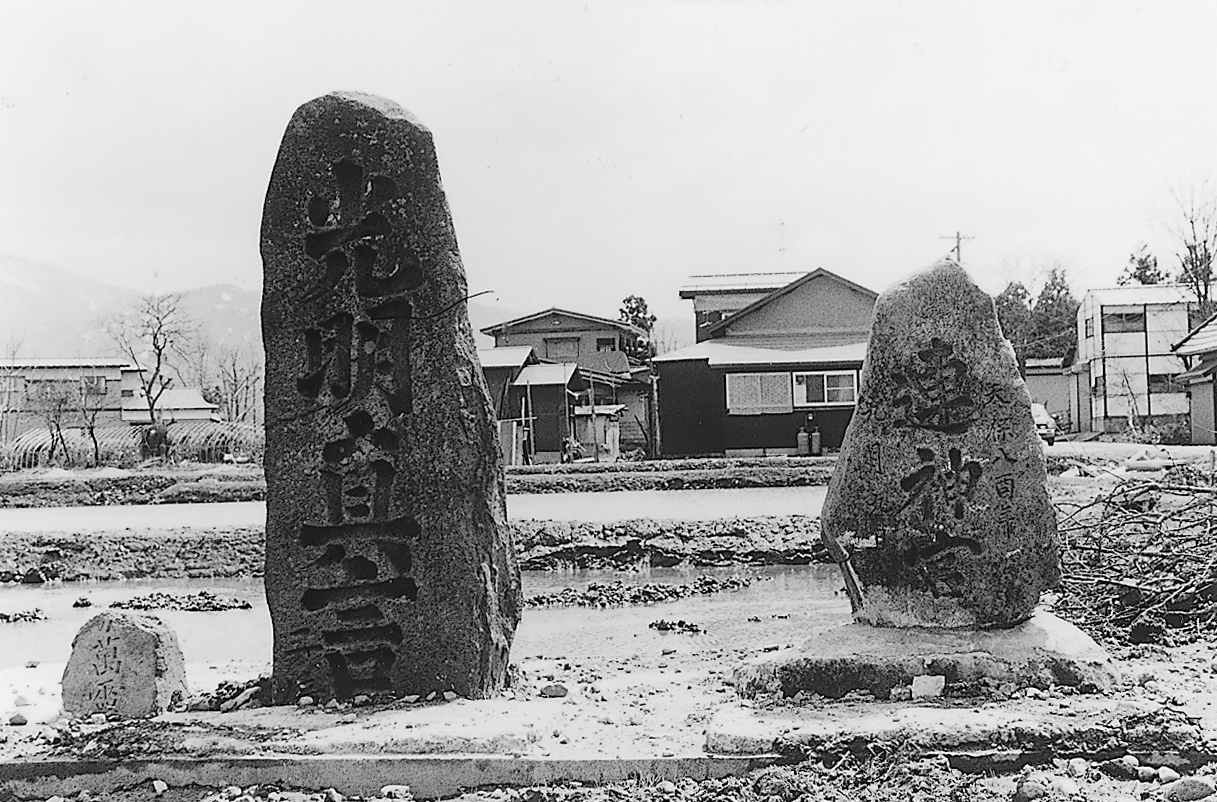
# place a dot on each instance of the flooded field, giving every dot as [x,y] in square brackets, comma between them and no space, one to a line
[791,602]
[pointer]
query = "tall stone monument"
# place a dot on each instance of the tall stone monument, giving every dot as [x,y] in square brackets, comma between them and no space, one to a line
[939,517]
[938,511]
[389,566]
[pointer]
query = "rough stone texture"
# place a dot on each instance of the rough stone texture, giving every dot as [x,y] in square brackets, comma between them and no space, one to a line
[1041,652]
[389,568]
[124,663]
[937,510]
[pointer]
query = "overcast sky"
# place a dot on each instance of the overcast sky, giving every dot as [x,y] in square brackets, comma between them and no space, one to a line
[592,150]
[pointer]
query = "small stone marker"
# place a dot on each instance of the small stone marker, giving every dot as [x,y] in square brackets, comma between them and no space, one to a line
[389,567]
[938,511]
[124,663]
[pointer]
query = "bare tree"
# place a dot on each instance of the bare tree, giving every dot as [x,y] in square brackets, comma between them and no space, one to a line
[240,381]
[90,405]
[153,334]
[1193,232]
[11,390]
[51,400]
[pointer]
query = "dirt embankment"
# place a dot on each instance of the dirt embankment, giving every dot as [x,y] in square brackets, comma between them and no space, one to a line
[542,545]
[201,484]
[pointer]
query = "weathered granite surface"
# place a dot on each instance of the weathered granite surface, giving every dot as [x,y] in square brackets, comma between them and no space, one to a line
[937,510]
[389,569]
[128,664]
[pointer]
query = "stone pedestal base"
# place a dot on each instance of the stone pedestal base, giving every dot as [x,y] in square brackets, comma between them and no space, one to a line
[1041,652]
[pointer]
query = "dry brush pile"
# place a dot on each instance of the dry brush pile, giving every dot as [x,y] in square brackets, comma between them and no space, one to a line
[1140,561]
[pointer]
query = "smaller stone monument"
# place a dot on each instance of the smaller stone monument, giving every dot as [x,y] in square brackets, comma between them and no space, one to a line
[938,515]
[125,663]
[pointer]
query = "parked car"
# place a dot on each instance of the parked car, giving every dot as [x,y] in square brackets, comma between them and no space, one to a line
[1045,424]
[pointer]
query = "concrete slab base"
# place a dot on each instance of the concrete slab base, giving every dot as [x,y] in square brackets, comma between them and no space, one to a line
[992,736]
[429,777]
[918,662]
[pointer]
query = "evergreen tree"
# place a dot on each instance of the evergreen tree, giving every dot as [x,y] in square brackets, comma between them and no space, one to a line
[634,311]
[1052,332]
[1142,268]
[1014,314]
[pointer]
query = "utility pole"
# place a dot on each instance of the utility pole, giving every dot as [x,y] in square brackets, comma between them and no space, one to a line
[959,238]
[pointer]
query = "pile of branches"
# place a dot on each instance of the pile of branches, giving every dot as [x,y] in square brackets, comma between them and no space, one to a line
[1139,563]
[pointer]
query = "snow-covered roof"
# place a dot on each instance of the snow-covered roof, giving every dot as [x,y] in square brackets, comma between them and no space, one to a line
[559,374]
[737,282]
[172,399]
[1143,294]
[718,353]
[508,356]
[602,409]
[67,362]
[1200,340]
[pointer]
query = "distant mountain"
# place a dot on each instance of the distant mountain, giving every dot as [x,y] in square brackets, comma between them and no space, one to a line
[52,312]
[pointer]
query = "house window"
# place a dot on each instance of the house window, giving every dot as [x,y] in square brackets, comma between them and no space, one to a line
[93,385]
[1100,386]
[1163,383]
[563,348]
[1115,322]
[759,393]
[606,343]
[1089,327]
[828,387]
[128,394]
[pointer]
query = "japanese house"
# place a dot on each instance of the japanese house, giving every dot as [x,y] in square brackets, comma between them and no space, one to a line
[787,360]
[1199,351]
[612,359]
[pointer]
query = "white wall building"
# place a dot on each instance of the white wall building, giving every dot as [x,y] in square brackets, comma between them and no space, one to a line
[1124,366]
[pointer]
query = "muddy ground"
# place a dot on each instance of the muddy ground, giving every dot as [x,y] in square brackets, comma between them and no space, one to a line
[1178,674]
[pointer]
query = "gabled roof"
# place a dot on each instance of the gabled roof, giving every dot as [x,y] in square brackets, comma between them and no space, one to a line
[1143,294]
[559,374]
[599,321]
[508,356]
[1199,340]
[791,287]
[723,283]
[720,354]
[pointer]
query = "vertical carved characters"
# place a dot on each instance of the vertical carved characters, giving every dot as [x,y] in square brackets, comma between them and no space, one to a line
[952,527]
[388,565]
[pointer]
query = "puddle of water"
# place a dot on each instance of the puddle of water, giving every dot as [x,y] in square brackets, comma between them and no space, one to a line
[792,603]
